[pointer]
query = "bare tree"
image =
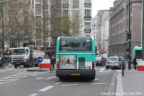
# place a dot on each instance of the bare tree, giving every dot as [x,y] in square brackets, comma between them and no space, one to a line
[18,22]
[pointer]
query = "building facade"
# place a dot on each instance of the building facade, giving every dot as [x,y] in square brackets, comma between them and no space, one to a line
[78,11]
[120,26]
[101,30]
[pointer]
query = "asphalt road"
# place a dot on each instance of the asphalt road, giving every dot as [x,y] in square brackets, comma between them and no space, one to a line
[19,82]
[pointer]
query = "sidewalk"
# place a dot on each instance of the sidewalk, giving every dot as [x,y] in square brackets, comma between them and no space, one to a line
[133,83]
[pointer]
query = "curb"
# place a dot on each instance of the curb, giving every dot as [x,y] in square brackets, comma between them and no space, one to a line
[113,84]
[37,70]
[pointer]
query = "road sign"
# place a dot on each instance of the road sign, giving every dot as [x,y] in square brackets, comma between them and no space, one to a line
[39,59]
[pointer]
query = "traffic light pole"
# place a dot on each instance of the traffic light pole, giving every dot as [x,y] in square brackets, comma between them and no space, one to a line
[129,42]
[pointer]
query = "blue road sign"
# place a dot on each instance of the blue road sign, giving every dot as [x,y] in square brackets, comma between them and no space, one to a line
[39,59]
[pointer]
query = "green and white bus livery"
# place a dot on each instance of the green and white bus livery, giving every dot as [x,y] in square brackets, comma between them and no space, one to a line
[75,57]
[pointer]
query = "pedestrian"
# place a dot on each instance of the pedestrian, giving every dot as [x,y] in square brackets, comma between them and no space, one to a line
[135,63]
[52,61]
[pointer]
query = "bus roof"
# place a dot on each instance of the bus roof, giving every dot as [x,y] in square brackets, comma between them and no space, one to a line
[75,37]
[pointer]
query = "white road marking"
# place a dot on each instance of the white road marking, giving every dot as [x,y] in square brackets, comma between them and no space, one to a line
[17,76]
[58,83]
[1,83]
[96,79]
[102,70]
[98,83]
[41,78]
[70,85]
[34,94]
[5,70]
[119,87]
[46,88]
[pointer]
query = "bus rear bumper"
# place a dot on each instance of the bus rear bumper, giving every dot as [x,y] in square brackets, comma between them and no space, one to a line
[63,73]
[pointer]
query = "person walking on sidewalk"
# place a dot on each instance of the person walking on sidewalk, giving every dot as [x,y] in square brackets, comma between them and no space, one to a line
[135,63]
[52,61]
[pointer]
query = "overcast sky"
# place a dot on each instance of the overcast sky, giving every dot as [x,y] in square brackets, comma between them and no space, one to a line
[100,5]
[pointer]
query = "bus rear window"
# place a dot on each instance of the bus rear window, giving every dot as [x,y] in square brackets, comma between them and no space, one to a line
[138,54]
[75,44]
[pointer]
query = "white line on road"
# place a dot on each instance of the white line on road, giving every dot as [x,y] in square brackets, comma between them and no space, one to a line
[34,94]
[41,78]
[1,83]
[119,87]
[70,84]
[58,83]
[102,70]
[46,88]
[96,79]
[99,83]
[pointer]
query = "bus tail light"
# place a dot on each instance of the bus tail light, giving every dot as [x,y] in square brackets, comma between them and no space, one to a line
[57,64]
[93,65]
[116,61]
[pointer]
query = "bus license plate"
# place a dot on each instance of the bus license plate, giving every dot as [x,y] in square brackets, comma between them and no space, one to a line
[75,74]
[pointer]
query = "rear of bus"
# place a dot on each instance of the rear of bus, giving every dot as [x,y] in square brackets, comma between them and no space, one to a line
[75,57]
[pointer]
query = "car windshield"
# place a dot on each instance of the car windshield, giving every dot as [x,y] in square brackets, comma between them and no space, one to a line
[112,59]
[98,58]
[18,51]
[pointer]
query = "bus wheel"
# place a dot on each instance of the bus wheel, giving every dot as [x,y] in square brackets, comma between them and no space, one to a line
[61,78]
[92,78]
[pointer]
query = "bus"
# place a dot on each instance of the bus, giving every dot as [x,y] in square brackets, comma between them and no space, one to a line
[137,52]
[75,57]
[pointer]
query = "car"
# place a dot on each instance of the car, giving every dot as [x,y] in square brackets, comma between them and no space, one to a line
[114,62]
[100,61]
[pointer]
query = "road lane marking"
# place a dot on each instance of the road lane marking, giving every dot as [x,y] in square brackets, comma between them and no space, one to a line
[70,85]
[58,83]
[46,88]
[34,94]
[17,76]
[49,78]
[119,87]
[1,83]
[96,79]
[98,83]
[102,70]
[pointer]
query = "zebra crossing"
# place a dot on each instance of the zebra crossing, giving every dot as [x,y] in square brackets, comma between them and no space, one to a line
[18,76]
[6,70]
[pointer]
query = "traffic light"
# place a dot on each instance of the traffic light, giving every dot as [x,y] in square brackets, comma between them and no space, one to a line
[129,37]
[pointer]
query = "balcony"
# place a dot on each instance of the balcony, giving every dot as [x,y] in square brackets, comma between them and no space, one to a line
[87,5]
[87,17]
[65,5]
[87,31]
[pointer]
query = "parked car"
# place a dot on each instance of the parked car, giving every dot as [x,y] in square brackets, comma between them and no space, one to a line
[100,61]
[114,62]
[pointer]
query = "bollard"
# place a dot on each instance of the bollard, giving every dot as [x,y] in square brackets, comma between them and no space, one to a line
[123,68]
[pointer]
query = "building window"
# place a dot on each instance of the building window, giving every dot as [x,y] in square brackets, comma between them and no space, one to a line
[87,1]
[87,13]
[65,12]
[65,1]
[87,26]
